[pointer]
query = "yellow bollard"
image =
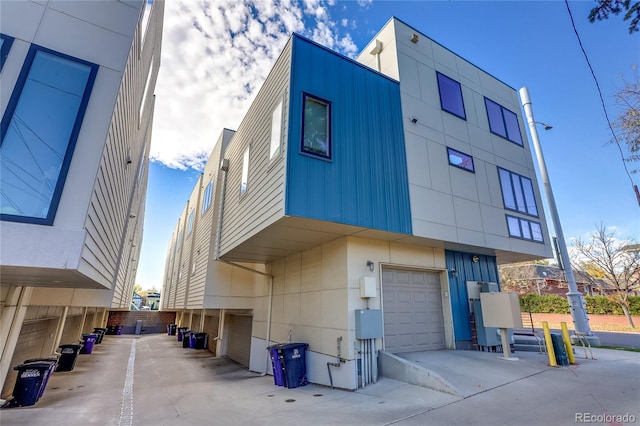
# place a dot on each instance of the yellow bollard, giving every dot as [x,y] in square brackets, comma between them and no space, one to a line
[567,342]
[549,342]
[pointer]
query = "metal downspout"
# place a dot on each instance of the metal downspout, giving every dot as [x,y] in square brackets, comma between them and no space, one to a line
[224,167]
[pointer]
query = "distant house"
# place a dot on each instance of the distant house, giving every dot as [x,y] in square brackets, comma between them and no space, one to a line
[153,301]
[137,300]
[543,279]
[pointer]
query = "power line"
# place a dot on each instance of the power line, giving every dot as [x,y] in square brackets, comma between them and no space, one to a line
[604,107]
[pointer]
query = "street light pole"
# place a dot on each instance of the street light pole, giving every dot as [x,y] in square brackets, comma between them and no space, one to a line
[577,304]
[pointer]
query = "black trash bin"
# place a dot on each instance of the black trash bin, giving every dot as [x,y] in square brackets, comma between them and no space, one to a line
[171,329]
[30,382]
[295,366]
[186,338]
[100,332]
[562,358]
[68,356]
[200,340]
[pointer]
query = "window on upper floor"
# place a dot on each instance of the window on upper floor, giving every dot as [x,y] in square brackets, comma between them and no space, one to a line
[179,242]
[451,96]
[207,197]
[276,131]
[461,160]
[316,127]
[5,46]
[517,192]
[503,122]
[39,131]
[245,172]
[524,228]
[190,221]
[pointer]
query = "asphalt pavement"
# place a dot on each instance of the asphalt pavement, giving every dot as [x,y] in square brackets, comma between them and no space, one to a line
[152,380]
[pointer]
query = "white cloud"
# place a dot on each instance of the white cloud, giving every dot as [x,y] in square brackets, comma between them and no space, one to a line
[215,56]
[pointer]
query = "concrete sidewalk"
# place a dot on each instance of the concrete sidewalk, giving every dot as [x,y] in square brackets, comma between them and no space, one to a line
[152,380]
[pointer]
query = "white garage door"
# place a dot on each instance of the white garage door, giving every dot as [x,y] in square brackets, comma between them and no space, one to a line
[239,344]
[413,318]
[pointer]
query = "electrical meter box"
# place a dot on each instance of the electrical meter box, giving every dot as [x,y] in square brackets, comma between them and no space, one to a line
[367,287]
[501,310]
[368,324]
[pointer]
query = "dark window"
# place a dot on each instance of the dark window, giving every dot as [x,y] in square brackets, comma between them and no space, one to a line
[5,45]
[524,229]
[316,127]
[503,122]
[451,96]
[517,192]
[39,132]
[460,159]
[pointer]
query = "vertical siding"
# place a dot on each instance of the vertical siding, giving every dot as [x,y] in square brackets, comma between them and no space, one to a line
[116,211]
[486,269]
[263,202]
[365,183]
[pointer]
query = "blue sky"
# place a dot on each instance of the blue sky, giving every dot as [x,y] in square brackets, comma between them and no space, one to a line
[216,54]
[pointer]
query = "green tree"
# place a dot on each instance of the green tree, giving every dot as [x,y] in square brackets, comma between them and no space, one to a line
[605,8]
[619,262]
[137,289]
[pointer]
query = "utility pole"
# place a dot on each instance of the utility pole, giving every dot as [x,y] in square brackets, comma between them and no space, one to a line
[577,304]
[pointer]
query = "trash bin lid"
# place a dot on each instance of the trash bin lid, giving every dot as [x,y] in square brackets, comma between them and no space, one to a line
[71,345]
[33,365]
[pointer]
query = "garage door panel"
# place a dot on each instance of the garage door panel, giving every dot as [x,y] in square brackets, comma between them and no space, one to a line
[413,314]
[239,344]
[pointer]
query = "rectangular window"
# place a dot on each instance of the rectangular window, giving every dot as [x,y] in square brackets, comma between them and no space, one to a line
[503,122]
[179,242]
[524,229]
[276,130]
[5,46]
[39,131]
[207,197]
[461,160]
[245,172]
[316,127]
[190,221]
[517,192]
[451,96]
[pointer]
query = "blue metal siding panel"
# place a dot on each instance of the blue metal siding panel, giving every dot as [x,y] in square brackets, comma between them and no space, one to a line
[365,183]
[486,269]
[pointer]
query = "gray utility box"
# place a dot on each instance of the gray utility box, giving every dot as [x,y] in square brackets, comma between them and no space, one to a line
[368,324]
[487,336]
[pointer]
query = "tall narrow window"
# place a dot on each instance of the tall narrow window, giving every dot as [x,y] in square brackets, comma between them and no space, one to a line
[190,221]
[245,172]
[503,122]
[451,96]
[517,192]
[207,197]
[5,46]
[276,130]
[39,131]
[316,127]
